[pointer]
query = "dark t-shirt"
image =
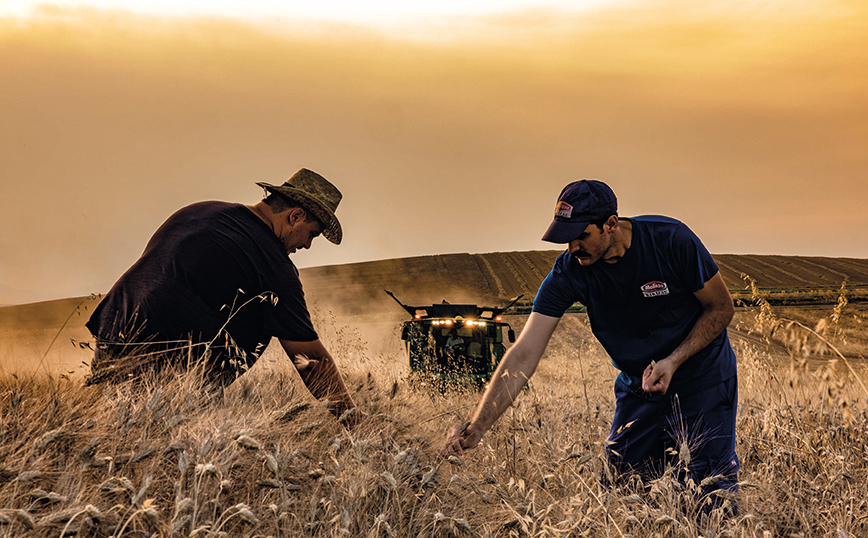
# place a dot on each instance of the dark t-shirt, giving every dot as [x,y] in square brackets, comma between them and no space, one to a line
[198,279]
[642,307]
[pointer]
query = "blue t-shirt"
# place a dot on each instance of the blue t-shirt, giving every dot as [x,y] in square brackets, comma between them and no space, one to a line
[642,307]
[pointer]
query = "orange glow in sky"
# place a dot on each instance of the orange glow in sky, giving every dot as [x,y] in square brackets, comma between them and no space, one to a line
[746,120]
[375,12]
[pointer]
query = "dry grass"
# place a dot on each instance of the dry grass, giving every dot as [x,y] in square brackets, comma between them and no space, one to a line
[163,458]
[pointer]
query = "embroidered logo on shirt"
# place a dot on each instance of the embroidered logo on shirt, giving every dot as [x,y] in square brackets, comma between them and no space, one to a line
[655,289]
[564,210]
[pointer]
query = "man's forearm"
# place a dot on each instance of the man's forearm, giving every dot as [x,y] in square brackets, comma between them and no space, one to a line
[717,312]
[707,327]
[324,380]
[513,372]
[711,322]
[506,383]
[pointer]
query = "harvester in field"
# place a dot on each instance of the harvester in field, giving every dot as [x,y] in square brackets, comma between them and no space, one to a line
[455,344]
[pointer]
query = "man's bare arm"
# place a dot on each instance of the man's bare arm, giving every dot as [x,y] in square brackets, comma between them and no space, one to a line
[320,375]
[514,370]
[717,312]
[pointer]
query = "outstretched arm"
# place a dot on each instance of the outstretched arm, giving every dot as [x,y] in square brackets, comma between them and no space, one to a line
[319,373]
[717,312]
[514,370]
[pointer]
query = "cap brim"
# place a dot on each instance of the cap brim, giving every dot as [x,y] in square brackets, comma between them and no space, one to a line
[564,232]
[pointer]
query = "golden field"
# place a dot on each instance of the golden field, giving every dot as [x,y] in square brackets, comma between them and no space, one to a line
[167,458]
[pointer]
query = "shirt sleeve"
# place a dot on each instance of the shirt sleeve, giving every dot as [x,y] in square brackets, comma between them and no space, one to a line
[289,319]
[697,264]
[557,292]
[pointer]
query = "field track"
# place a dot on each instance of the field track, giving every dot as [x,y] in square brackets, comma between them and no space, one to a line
[499,276]
[494,277]
[354,292]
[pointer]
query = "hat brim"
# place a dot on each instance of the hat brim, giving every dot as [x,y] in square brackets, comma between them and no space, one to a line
[331,226]
[564,232]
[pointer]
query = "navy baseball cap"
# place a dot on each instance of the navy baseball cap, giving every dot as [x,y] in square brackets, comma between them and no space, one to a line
[580,203]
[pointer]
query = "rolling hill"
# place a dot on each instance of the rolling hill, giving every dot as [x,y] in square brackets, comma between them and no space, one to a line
[498,276]
[47,333]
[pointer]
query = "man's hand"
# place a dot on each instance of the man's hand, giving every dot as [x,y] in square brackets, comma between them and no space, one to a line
[302,363]
[657,376]
[717,311]
[459,438]
[352,418]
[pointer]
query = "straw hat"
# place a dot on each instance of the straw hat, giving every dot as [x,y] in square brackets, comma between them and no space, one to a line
[315,194]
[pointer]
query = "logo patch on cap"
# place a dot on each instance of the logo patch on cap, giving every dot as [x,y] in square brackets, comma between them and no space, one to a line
[564,210]
[655,289]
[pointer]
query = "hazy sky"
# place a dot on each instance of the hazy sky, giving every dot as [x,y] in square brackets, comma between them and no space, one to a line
[448,129]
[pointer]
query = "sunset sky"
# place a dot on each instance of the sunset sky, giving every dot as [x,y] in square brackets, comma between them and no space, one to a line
[448,128]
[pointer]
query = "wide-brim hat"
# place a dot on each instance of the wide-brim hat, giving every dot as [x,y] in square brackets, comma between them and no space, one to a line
[315,194]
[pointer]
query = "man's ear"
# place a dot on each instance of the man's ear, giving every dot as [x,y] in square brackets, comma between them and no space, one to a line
[296,215]
[612,222]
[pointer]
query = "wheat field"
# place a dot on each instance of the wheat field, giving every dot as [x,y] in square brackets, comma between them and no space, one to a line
[164,457]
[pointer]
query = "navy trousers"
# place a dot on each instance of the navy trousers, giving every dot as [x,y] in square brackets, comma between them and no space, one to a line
[694,432]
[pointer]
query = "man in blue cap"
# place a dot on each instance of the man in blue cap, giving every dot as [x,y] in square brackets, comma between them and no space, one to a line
[658,305]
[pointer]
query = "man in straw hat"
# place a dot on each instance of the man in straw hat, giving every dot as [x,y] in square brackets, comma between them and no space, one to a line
[658,305]
[215,284]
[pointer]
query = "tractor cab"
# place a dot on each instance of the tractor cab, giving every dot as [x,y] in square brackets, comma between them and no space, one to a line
[455,343]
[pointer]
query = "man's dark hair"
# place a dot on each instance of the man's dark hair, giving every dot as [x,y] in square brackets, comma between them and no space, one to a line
[599,222]
[279,203]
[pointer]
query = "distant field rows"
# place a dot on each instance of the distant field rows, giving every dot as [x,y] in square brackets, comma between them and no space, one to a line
[46,333]
[481,278]
[498,276]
